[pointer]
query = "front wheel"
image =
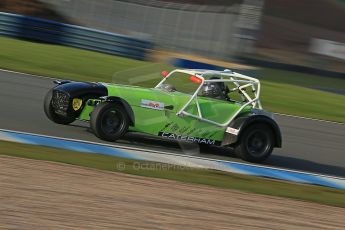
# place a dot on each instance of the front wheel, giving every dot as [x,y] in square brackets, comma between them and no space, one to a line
[109,121]
[256,143]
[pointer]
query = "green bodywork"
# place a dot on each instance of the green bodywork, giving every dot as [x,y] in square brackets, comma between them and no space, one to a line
[164,121]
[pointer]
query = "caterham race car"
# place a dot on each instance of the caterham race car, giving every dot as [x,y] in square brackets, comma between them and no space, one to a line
[203,106]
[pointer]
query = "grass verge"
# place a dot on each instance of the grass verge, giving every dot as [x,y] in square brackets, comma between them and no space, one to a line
[220,179]
[283,91]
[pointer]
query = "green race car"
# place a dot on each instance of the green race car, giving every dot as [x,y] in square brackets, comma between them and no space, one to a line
[203,106]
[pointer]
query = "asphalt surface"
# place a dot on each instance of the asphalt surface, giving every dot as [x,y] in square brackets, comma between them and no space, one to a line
[308,145]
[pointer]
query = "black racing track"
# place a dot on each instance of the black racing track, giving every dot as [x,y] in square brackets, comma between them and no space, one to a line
[308,145]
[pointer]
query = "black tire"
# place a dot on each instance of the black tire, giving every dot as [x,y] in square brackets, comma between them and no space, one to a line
[109,121]
[49,111]
[256,143]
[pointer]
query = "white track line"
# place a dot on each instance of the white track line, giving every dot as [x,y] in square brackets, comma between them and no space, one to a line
[27,74]
[280,114]
[167,153]
[308,118]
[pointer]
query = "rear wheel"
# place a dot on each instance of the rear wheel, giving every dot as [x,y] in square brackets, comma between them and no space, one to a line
[109,121]
[50,113]
[256,143]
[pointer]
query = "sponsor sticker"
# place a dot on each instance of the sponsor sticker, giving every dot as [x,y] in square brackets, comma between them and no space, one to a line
[232,130]
[152,104]
[188,138]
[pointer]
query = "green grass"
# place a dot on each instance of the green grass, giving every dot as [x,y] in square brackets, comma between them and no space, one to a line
[252,184]
[296,100]
[61,62]
[282,91]
[291,93]
[300,79]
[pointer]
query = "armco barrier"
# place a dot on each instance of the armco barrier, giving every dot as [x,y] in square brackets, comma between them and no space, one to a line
[20,26]
[291,67]
[190,64]
[176,159]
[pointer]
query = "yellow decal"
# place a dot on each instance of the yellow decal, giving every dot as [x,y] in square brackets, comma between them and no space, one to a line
[77,103]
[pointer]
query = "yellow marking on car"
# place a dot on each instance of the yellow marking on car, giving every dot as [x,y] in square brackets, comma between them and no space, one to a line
[77,103]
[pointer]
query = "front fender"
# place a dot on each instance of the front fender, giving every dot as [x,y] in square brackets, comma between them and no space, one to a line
[79,89]
[65,91]
[124,103]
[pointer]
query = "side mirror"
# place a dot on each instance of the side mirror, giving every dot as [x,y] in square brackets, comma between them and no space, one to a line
[165,73]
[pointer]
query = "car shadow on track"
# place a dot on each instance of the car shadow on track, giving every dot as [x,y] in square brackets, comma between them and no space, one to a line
[304,165]
[138,140]
[228,154]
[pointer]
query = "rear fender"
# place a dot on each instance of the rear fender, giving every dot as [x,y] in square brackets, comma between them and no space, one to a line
[237,127]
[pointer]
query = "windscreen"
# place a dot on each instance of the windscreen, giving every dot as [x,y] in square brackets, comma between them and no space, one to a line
[181,82]
[145,75]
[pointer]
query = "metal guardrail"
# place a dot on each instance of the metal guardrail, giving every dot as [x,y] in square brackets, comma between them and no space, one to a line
[291,67]
[26,27]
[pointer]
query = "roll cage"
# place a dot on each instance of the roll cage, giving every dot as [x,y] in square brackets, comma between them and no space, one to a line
[242,84]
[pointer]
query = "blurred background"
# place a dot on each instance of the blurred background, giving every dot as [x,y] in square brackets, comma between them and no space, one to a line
[295,47]
[272,33]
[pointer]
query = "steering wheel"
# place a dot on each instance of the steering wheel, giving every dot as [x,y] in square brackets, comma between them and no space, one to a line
[167,87]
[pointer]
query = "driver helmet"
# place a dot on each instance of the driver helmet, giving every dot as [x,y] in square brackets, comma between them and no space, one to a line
[214,89]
